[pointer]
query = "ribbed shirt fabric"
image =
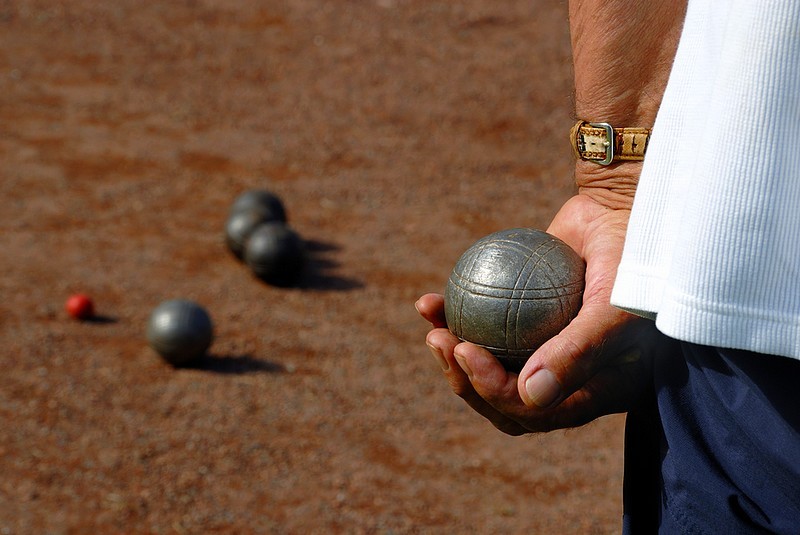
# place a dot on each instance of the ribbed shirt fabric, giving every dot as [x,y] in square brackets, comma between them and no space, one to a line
[713,245]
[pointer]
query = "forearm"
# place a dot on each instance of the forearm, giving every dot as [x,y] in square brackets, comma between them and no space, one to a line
[622,56]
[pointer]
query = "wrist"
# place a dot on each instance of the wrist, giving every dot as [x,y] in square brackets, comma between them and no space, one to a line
[612,186]
[609,162]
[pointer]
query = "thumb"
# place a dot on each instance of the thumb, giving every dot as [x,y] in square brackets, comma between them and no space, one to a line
[595,338]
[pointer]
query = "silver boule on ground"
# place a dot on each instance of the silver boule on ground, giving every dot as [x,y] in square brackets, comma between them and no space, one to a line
[180,331]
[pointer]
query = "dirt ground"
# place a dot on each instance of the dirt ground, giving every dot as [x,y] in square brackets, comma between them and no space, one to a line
[397,132]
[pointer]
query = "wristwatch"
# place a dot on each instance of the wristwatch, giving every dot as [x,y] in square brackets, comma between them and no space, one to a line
[604,144]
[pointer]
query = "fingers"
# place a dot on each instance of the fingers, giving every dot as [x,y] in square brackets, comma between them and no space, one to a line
[459,361]
[591,377]
[470,369]
[513,404]
[431,307]
[488,377]
[479,379]
[441,342]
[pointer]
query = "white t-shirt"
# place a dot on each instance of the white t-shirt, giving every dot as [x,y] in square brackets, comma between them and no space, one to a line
[713,245]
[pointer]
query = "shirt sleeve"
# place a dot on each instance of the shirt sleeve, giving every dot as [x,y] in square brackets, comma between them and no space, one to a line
[713,245]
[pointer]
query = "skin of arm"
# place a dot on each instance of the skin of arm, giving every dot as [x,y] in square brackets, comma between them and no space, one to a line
[622,56]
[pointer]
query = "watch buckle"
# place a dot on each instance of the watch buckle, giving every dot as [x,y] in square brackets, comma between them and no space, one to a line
[608,144]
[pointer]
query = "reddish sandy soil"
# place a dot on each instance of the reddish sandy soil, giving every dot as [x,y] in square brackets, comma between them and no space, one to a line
[397,132]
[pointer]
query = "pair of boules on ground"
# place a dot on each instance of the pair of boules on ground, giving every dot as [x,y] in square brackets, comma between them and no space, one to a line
[258,234]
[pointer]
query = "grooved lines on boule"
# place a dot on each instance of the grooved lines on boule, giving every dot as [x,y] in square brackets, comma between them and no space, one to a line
[515,303]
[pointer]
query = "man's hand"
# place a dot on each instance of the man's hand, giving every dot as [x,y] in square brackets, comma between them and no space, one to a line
[599,364]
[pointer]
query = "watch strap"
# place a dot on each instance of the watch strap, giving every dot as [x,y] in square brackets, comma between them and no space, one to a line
[604,144]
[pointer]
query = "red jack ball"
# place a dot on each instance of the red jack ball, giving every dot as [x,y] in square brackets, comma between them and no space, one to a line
[80,307]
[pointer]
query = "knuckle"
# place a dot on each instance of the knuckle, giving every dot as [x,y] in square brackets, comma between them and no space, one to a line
[576,358]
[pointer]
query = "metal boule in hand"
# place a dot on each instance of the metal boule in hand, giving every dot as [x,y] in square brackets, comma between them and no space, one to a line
[513,290]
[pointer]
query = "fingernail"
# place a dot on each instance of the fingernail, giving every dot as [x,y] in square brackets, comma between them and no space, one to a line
[462,362]
[543,388]
[439,357]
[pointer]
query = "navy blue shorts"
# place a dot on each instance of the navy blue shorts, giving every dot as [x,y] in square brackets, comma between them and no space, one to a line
[717,447]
